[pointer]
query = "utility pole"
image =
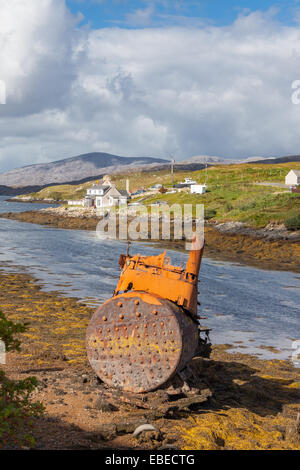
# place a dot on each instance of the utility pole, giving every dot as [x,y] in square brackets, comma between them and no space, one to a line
[172,170]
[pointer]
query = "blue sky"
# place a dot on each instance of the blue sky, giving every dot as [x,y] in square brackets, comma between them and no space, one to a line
[147,13]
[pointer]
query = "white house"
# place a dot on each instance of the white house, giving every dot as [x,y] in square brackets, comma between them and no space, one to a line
[292,178]
[198,188]
[112,197]
[97,190]
[105,194]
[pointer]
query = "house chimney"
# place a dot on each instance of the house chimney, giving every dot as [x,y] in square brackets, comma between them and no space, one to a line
[127,186]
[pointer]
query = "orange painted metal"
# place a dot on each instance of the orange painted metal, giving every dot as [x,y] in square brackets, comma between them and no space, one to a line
[155,274]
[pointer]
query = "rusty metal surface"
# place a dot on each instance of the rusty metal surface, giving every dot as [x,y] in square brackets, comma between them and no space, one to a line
[137,341]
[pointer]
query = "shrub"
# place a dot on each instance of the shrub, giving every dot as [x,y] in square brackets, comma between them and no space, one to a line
[56,196]
[228,207]
[209,213]
[16,408]
[293,223]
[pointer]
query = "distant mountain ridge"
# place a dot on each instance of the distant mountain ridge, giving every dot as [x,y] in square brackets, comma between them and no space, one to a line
[94,165]
[203,159]
[272,160]
[77,168]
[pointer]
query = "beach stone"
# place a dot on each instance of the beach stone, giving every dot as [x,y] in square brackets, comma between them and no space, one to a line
[108,431]
[129,425]
[103,405]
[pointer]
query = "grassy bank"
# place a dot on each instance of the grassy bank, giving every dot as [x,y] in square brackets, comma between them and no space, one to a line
[233,192]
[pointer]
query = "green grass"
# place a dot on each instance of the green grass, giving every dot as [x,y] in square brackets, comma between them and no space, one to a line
[232,192]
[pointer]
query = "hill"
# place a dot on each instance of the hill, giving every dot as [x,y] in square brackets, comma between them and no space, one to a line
[277,160]
[75,169]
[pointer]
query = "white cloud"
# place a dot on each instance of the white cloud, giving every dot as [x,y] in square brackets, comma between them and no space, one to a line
[214,90]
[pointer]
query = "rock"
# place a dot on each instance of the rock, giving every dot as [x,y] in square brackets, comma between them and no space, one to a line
[108,431]
[143,428]
[104,406]
[154,438]
[129,425]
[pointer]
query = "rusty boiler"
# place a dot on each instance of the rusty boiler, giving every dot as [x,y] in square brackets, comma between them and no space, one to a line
[149,330]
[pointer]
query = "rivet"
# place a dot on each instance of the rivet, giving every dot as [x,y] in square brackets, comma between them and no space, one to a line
[154,325]
[117,329]
[120,304]
[125,328]
[121,317]
[104,318]
[154,312]
[108,330]
[136,327]
[161,323]
[138,314]
[136,302]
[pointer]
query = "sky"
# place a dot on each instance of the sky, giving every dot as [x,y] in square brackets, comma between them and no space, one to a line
[148,78]
[149,13]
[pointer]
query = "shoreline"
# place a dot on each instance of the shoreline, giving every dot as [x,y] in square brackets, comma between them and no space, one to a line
[31,200]
[272,248]
[254,403]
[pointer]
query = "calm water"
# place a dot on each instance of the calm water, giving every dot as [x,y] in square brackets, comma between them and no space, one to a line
[244,306]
